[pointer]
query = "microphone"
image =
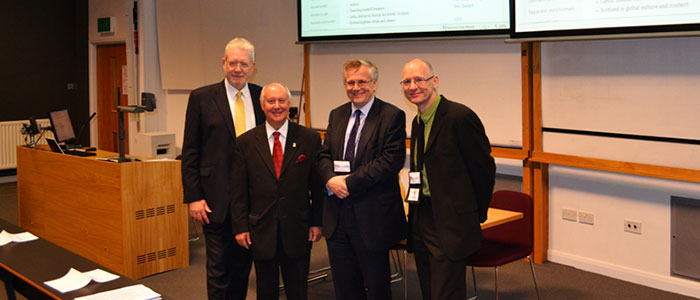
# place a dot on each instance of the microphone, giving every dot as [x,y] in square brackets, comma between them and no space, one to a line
[82,127]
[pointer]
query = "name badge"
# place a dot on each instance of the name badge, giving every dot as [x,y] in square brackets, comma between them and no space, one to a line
[414,178]
[341,166]
[413,195]
[414,183]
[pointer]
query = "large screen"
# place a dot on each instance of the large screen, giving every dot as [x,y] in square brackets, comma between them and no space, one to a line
[586,17]
[321,20]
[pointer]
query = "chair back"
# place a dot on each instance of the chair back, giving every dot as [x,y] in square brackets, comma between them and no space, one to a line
[518,232]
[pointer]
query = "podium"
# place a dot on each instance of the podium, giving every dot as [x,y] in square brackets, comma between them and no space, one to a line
[128,217]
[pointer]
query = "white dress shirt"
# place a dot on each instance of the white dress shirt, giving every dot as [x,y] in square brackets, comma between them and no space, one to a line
[283,134]
[363,115]
[247,103]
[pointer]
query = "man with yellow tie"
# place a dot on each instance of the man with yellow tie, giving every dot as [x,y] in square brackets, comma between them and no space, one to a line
[216,115]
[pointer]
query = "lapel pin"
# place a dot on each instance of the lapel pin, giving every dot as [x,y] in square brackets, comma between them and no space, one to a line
[294,145]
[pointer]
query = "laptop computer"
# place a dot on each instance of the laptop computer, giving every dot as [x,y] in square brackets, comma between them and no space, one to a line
[55,147]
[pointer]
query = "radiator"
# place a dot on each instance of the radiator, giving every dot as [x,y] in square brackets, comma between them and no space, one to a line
[11,136]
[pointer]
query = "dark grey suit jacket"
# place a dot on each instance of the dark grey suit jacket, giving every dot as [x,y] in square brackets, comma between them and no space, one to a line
[373,183]
[263,204]
[461,174]
[207,147]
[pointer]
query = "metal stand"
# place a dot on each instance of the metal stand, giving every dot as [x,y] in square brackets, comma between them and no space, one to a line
[122,138]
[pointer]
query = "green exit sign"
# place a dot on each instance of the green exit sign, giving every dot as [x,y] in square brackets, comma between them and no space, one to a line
[105,25]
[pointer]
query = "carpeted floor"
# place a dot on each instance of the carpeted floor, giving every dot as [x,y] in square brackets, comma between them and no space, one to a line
[515,282]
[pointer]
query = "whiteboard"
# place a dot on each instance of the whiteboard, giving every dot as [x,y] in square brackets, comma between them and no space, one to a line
[482,74]
[643,87]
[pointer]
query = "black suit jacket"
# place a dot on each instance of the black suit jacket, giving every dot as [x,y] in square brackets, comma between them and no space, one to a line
[262,203]
[373,183]
[461,174]
[207,147]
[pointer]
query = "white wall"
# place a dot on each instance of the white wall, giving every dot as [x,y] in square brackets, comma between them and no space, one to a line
[605,247]
[643,87]
[144,67]
[149,69]
[121,11]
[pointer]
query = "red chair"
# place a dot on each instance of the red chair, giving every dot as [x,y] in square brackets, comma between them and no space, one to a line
[507,242]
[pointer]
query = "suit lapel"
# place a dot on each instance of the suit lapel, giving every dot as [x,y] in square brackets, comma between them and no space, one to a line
[368,128]
[263,147]
[414,140]
[257,109]
[290,147]
[340,139]
[437,122]
[221,101]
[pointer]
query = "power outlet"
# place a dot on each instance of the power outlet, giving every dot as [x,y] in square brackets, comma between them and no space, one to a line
[569,214]
[633,226]
[586,217]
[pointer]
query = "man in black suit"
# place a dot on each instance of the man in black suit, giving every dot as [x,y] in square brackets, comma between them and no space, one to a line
[363,216]
[451,184]
[216,115]
[276,177]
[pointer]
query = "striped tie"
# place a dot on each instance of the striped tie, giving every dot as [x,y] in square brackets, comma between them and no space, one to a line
[350,148]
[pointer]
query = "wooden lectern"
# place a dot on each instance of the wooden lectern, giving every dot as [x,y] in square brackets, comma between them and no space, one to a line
[128,217]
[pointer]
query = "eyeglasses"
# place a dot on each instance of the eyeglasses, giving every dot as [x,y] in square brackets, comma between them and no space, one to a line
[418,81]
[360,83]
[242,65]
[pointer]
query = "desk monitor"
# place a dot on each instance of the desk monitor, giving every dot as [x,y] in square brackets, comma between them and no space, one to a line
[61,125]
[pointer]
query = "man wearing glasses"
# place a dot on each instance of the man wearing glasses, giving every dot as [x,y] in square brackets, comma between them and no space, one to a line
[363,215]
[451,182]
[216,115]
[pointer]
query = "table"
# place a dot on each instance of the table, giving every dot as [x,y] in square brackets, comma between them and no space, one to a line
[26,266]
[497,216]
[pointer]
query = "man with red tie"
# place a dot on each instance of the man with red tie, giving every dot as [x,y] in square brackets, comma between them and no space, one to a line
[278,197]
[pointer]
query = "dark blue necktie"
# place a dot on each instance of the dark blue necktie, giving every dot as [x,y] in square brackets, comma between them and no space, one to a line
[350,149]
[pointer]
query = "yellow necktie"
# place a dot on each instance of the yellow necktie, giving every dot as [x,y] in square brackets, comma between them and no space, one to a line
[239,117]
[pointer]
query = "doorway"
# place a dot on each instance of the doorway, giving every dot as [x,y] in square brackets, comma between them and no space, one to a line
[111,71]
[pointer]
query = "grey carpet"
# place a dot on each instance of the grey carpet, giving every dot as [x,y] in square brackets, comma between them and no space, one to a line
[515,282]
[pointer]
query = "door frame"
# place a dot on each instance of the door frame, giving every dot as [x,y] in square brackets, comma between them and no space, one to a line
[92,81]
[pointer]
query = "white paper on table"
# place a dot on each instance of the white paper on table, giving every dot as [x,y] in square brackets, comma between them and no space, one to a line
[73,280]
[6,237]
[100,275]
[24,237]
[134,292]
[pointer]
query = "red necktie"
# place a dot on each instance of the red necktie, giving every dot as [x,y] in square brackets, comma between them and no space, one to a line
[277,153]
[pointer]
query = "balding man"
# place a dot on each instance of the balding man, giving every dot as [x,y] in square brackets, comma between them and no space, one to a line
[278,197]
[451,182]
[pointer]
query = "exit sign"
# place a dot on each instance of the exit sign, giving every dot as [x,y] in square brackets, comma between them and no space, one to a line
[105,25]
